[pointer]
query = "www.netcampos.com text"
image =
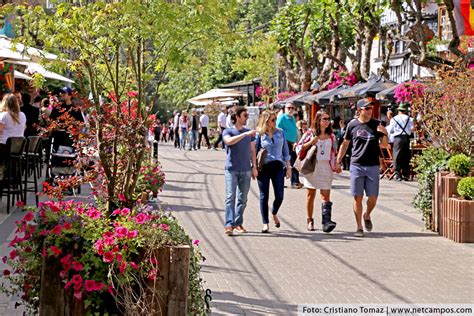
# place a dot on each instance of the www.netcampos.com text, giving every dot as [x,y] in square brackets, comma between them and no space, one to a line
[385,309]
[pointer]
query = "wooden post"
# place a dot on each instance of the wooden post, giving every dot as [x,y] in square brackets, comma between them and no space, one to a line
[179,281]
[54,299]
[161,285]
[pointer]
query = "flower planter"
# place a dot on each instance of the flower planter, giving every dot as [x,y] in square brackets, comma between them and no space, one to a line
[171,285]
[459,221]
[445,186]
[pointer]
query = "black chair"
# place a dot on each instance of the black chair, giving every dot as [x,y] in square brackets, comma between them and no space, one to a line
[12,176]
[31,159]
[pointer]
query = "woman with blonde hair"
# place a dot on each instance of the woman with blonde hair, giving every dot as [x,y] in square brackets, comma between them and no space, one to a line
[321,136]
[276,164]
[12,122]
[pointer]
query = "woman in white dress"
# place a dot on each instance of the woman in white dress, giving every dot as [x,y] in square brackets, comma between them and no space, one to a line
[321,136]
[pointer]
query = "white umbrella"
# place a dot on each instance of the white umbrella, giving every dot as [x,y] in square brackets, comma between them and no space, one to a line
[216,94]
[6,52]
[20,49]
[32,68]
[20,75]
[225,101]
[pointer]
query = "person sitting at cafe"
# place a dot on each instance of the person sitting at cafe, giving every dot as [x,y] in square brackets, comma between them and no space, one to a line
[401,128]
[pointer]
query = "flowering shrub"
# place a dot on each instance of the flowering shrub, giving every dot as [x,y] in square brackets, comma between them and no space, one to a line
[151,178]
[284,95]
[97,255]
[260,91]
[342,76]
[445,111]
[407,91]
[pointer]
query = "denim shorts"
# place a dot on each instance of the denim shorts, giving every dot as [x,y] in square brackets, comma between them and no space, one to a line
[364,178]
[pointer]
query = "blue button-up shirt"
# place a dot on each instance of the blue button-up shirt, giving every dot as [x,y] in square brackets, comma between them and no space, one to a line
[276,146]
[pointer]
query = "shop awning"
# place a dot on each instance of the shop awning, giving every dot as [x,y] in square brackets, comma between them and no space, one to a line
[20,75]
[32,68]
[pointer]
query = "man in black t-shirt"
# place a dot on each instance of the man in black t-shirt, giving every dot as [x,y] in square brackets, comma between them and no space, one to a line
[364,134]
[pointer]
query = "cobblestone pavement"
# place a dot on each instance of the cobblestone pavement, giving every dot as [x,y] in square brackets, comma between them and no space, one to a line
[269,274]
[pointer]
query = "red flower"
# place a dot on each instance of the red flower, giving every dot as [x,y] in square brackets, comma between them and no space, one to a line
[6,272]
[121,232]
[108,256]
[89,285]
[121,197]
[13,254]
[132,234]
[76,279]
[77,266]
[20,204]
[55,250]
[57,229]
[135,266]
[93,214]
[142,218]
[67,226]
[28,217]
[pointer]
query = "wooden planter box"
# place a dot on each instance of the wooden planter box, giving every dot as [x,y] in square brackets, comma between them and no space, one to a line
[459,221]
[444,187]
[172,285]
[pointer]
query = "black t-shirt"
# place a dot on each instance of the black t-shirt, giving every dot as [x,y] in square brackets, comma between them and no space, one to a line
[73,110]
[32,119]
[365,142]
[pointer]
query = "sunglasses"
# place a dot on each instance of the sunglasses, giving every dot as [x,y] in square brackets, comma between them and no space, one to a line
[244,115]
[272,120]
[290,108]
[368,108]
[325,119]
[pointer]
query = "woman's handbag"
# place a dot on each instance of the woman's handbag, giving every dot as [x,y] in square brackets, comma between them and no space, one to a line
[308,163]
[261,158]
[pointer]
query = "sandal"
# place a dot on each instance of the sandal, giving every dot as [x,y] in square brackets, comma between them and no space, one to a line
[276,220]
[310,223]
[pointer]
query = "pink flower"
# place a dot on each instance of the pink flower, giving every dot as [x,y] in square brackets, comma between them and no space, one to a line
[123,266]
[121,197]
[152,274]
[99,286]
[111,290]
[76,279]
[13,254]
[121,232]
[28,217]
[67,285]
[93,213]
[108,256]
[89,285]
[165,227]
[77,294]
[142,218]
[77,266]
[119,257]
[63,274]
[125,211]
[20,204]
[55,250]
[153,260]
[67,226]
[57,229]
[196,242]
[132,234]
[134,265]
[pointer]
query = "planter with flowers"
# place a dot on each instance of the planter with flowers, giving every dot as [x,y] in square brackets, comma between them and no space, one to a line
[73,258]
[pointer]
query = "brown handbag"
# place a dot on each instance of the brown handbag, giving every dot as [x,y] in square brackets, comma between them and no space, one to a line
[262,153]
[308,163]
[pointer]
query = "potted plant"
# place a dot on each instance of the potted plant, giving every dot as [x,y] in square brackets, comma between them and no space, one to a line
[459,221]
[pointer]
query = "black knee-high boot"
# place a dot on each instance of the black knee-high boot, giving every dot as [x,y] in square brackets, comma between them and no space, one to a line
[328,225]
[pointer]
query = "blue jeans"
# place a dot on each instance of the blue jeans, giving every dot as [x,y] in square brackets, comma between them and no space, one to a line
[275,172]
[295,175]
[183,137]
[237,185]
[193,138]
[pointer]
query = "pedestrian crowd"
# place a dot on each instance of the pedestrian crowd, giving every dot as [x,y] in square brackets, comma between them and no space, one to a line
[280,147]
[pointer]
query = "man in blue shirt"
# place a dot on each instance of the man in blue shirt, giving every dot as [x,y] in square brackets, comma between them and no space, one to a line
[240,166]
[287,123]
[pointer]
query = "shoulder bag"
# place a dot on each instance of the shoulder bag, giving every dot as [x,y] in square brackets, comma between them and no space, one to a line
[261,154]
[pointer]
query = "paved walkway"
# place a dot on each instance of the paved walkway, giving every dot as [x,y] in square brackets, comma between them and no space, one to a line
[269,274]
[263,274]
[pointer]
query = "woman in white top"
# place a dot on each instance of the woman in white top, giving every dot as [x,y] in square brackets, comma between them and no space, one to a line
[321,136]
[12,122]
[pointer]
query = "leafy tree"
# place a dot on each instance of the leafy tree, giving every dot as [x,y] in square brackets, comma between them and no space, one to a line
[119,47]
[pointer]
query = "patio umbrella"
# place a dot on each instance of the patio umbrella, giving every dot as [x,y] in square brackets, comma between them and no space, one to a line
[20,75]
[387,93]
[372,86]
[225,101]
[216,94]
[324,97]
[32,68]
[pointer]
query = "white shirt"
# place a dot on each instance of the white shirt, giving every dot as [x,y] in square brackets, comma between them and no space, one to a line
[324,149]
[228,122]
[397,129]
[176,119]
[221,119]
[10,127]
[204,120]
